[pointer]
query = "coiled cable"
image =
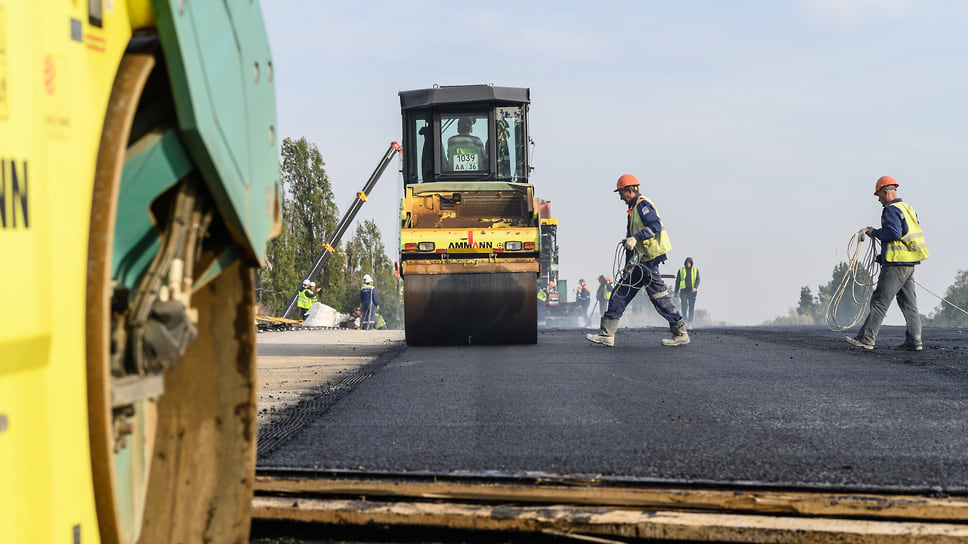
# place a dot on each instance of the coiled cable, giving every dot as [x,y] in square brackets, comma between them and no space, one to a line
[624,268]
[862,289]
[861,285]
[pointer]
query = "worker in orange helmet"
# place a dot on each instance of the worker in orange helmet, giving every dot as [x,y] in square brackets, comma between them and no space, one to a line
[902,248]
[646,245]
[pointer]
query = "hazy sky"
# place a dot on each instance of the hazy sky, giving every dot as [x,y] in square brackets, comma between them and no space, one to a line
[757,127]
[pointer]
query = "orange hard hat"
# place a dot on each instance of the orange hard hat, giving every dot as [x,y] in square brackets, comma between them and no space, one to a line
[884,181]
[625,180]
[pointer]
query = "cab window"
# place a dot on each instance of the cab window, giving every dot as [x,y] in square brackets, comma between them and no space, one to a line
[464,137]
[511,144]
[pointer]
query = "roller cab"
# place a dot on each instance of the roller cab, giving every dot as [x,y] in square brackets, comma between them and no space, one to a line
[469,240]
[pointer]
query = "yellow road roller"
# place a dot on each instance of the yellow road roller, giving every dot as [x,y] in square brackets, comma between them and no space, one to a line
[469,239]
[139,185]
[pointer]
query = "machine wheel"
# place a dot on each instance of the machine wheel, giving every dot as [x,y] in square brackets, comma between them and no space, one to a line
[176,467]
[471,308]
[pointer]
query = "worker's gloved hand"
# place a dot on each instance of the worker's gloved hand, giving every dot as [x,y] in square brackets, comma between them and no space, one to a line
[630,243]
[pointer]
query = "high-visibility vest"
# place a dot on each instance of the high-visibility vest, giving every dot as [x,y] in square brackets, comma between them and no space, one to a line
[911,247]
[682,277]
[466,153]
[649,248]
[380,322]
[608,290]
[304,299]
[542,295]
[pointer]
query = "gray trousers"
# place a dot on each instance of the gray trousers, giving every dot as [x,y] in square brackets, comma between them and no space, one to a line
[893,281]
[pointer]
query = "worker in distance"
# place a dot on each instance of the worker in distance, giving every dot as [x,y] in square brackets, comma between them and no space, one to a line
[646,245]
[902,248]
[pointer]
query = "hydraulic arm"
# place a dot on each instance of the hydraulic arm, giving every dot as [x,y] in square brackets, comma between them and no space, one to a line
[320,261]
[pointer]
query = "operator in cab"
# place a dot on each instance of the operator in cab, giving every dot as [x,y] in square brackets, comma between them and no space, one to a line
[466,151]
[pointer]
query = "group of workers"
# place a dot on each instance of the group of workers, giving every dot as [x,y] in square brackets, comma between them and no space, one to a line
[647,244]
[369,303]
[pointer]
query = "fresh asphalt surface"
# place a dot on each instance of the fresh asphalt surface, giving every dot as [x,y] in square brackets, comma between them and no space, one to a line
[767,405]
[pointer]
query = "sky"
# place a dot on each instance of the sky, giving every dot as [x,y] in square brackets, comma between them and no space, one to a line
[758,128]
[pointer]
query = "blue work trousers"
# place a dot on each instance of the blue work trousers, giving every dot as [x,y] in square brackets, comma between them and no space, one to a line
[638,276]
[896,281]
[367,317]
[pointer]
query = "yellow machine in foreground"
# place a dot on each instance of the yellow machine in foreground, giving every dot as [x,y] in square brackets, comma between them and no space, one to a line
[469,237]
[139,182]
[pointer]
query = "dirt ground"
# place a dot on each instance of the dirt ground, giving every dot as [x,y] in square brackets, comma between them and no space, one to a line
[292,364]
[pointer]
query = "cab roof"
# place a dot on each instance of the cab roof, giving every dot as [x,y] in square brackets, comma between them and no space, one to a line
[458,94]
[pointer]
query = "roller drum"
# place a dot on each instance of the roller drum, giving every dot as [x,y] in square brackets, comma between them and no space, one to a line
[471,308]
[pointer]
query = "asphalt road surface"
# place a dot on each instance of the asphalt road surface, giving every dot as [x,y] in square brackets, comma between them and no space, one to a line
[778,406]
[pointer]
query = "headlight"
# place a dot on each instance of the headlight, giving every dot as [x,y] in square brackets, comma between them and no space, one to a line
[425,246]
[512,246]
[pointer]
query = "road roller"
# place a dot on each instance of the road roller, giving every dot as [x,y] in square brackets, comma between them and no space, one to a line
[470,236]
[140,183]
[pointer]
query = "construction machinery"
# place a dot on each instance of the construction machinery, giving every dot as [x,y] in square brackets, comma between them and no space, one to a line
[554,309]
[140,183]
[470,229]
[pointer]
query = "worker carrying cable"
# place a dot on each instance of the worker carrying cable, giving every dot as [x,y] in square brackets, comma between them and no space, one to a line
[646,245]
[902,248]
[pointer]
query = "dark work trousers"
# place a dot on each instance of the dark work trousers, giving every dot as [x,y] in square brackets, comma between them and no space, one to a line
[687,301]
[894,281]
[635,277]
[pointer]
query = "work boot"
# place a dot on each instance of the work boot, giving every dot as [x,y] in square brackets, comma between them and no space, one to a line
[606,333]
[855,342]
[679,335]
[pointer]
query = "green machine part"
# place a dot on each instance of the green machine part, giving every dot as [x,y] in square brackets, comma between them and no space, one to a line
[220,68]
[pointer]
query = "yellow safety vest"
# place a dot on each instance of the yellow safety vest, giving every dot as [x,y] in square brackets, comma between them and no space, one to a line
[542,295]
[303,300]
[682,276]
[911,247]
[649,248]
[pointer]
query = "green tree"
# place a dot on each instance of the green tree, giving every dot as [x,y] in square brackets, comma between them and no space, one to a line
[366,254]
[946,315]
[273,282]
[807,307]
[309,218]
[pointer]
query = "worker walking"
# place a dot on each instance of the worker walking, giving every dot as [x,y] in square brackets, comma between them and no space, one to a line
[646,245]
[369,303]
[687,283]
[604,293]
[902,248]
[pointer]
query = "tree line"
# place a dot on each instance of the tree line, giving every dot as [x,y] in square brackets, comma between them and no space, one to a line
[309,218]
[811,308]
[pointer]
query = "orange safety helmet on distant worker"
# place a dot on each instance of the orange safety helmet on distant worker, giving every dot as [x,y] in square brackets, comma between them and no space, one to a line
[626,180]
[884,181]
